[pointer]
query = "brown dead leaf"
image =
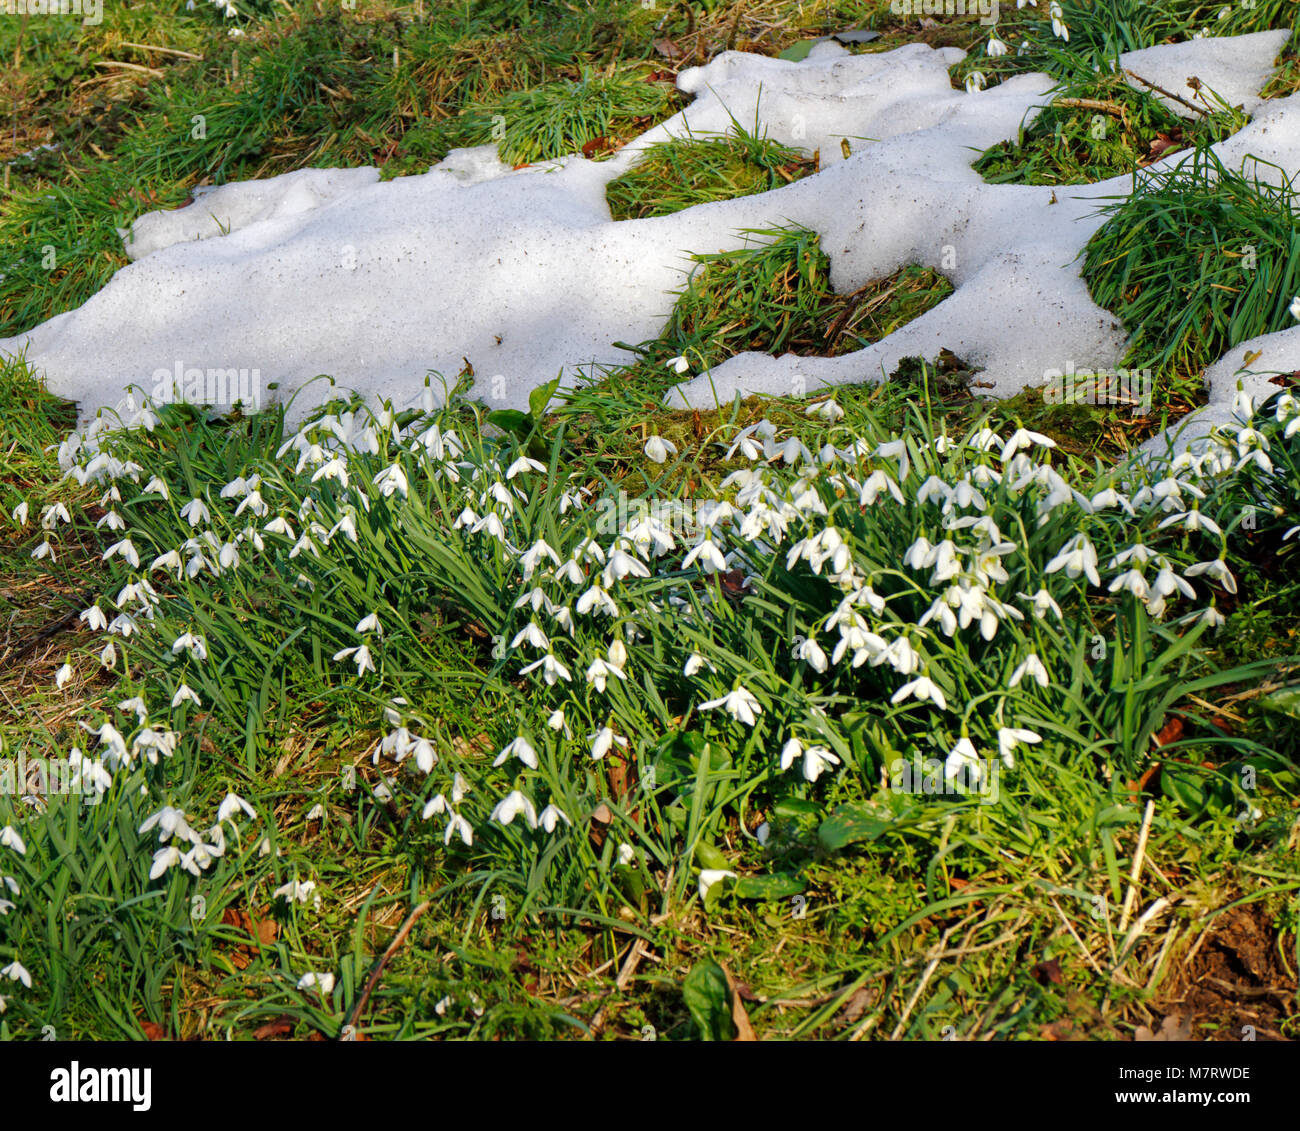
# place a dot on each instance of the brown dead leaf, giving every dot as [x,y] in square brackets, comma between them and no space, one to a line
[668,49]
[1173,1028]
[739,1018]
[153,1031]
[1047,971]
[281,1027]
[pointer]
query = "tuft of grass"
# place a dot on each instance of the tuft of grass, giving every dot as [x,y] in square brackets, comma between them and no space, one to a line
[677,174]
[1197,259]
[1098,128]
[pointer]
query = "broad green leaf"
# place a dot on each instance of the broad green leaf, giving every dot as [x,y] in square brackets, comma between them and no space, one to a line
[705,992]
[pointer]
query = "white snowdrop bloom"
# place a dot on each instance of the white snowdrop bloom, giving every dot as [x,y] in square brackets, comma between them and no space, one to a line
[466,518]
[392,480]
[52,515]
[1030,666]
[313,980]
[945,561]
[552,669]
[678,364]
[708,555]
[1192,520]
[135,705]
[170,822]
[63,676]
[1011,737]
[657,449]
[536,598]
[458,826]
[596,599]
[600,671]
[491,525]
[9,838]
[1217,570]
[228,556]
[437,804]
[170,560]
[557,722]
[126,550]
[961,756]
[532,635]
[975,82]
[827,410]
[626,855]
[518,747]
[1110,498]
[571,572]
[995,47]
[792,451]
[296,892]
[361,657]
[533,557]
[523,464]
[621,565]
[156,486]
[874,484]
[254,502]
[1133,582]
[1023,438]
[108,655]
[921,689]
[1212,617]
[279,525]
[711,876]
[790,753]
[740,704]
[231,806]
[17,972]
[191,642]
[551,816]
[933,488]
[184,695]
[513,805]
[196,512]
[1167,582]
[370,624]
[603,740]
[812,654]
[918,554]
[695,662]
[1295,307]
[19,513]
[1076,557]
[817,759]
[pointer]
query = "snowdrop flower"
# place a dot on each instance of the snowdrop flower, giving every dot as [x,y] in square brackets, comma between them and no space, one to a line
[962,755]
[711,876]
[19,514]
[1212,617]
[1133,581]
[1218,570]
[1031,666]
[534,555]
[740,704]
[626,855]
[520,748]
[600,671]
[921,689]
[995,47]
[458,826]
[435,805]
[323,982]
[196,512]
[62,676]
[392,479]
[551,816]
[680,365]
[828,411]
[1192,520]
[183,695]
[17,972]
[708,555]
[9,838]
[812,654]
[522,464]
[126,549]
[694,663]
[295,892]
[194,644]
[514,804]
[1077,557]
[975,82]
[552,669]
[316,812]
[603,740]
[815,760]
[532,635]
[231,805]
[1295,307]
[657,449]
[1011,737]
[108,656]
[370,624]
[556,721]
[363,659]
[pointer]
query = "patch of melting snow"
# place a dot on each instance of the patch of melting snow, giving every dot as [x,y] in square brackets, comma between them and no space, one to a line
[523,273]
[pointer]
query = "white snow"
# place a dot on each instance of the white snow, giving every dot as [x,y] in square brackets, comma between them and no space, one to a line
[524,275]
